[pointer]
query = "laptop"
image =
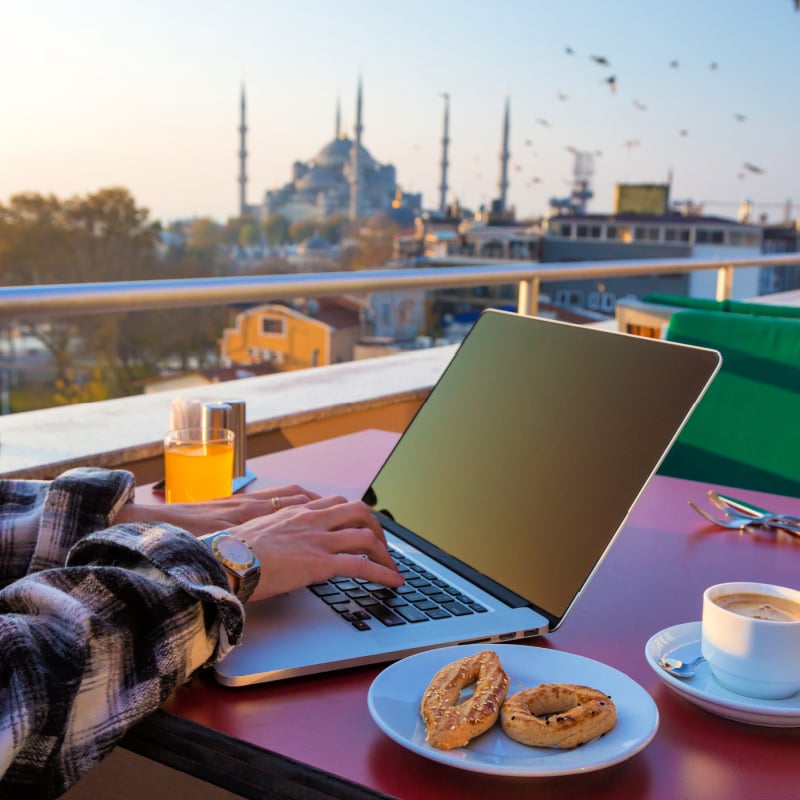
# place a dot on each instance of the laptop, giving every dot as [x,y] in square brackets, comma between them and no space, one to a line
[499,501]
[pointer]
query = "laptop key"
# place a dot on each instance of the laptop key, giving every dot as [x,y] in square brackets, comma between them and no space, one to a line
[412,614]
[386,616]
[323,589]
[438,613]
[456,609]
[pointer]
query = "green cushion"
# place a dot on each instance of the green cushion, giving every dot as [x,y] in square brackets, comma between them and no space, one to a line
[680,301]
[746,430]
[733,306]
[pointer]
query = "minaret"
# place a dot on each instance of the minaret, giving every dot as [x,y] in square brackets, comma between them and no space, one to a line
[355,162]
[338,131]
[243,159]
[445,143]
[504,156]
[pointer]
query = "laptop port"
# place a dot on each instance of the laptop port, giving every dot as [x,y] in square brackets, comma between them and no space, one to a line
[505,636]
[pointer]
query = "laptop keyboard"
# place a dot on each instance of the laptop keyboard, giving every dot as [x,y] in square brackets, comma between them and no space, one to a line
[422,598]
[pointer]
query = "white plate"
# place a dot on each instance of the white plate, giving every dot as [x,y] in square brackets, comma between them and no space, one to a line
[395,695]
[683,642]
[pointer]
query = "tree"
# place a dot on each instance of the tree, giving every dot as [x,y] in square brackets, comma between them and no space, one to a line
[249,234]
[301,230]
[276,229]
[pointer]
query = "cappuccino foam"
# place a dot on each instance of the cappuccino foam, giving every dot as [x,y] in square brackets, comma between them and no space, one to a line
[760,606]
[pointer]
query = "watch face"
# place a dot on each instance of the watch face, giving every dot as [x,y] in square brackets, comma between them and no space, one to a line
[233,552]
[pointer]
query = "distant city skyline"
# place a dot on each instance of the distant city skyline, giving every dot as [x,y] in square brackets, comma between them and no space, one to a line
[146,95]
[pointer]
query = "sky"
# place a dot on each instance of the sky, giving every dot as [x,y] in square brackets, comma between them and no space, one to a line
[145,95]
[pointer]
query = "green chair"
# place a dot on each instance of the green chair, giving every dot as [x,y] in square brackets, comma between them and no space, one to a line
[728,306]
[745,431]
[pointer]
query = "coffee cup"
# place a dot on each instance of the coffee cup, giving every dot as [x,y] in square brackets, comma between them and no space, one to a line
[751,638]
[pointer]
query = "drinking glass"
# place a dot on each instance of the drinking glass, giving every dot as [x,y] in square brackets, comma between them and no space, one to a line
[198,464]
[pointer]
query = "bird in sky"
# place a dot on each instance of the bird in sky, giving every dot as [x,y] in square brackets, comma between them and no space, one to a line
[631,144]
[562,96]
[528,142]
[543,122]
[612,82]
[673,64]
[639,106]
[713,66]
[602,60]
[753,168]
[683,132]
[569,51]
[740,117]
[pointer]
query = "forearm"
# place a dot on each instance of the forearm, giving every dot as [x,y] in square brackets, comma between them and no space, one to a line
[134,613]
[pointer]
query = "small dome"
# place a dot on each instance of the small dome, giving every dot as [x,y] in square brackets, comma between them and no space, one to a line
[314,244]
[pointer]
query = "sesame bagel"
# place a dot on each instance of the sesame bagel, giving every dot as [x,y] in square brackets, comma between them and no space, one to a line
[561,715]
[450,724]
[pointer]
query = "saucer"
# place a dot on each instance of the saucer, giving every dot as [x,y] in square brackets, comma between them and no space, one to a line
[683,642]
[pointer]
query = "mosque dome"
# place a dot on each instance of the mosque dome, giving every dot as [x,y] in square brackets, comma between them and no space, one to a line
[336,154]
[317,179]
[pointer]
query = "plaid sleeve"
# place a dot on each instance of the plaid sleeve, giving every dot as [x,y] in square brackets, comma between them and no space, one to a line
[41,520]
[93,646]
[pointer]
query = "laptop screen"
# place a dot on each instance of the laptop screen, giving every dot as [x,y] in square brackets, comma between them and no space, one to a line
[532,448]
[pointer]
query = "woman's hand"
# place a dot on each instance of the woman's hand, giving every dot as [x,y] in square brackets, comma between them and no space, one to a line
[310,543]
[216,515]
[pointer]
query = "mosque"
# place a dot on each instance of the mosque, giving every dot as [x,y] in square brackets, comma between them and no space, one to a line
[342,179]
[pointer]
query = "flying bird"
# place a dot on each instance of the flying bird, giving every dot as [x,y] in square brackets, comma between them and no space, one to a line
[740,117]
[612,82]
[631,143]
[569,51]
[562,96]
[543,122]
[673,64]
[684,132]
[528,142]
[713,66]
[754,168]
[602,60]
[639,106]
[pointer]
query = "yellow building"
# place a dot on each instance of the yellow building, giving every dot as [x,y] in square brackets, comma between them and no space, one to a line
[325,333]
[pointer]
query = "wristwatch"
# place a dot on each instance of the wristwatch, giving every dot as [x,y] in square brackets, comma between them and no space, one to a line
[239,560]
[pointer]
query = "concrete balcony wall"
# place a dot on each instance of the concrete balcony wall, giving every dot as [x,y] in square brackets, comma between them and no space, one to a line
[283,410]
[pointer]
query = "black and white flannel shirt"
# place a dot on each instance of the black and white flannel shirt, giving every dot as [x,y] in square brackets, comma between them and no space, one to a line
[98,624]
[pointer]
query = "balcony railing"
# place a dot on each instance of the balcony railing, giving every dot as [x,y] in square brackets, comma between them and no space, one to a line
[283,409]
[28,302]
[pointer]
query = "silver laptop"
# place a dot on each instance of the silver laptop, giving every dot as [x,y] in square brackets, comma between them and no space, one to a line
[500,500]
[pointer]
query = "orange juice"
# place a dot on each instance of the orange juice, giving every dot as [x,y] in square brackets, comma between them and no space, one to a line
[197,470]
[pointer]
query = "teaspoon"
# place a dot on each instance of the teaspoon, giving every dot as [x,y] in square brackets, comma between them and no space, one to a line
[681,669]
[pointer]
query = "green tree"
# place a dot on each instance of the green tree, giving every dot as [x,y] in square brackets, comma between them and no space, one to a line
[276,229]
[249,234]
[301,230]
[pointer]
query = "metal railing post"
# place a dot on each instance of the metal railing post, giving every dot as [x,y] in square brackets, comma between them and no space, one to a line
[725,282]
[528,297]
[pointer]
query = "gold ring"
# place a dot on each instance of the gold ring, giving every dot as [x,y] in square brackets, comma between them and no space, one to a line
[276,504]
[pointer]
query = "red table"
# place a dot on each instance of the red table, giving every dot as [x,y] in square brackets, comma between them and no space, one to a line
[314,736]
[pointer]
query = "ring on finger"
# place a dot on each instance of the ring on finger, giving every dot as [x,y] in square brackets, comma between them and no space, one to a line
[276,504]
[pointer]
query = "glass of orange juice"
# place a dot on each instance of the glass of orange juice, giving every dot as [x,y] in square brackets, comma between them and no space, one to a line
[198,464]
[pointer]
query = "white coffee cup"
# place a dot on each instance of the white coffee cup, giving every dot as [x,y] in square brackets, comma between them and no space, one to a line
[751,638]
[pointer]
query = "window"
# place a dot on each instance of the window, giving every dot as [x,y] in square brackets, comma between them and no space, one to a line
[707,236]
[611,232]
[582,231]
[566,229]
[645,234]
[273,326]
